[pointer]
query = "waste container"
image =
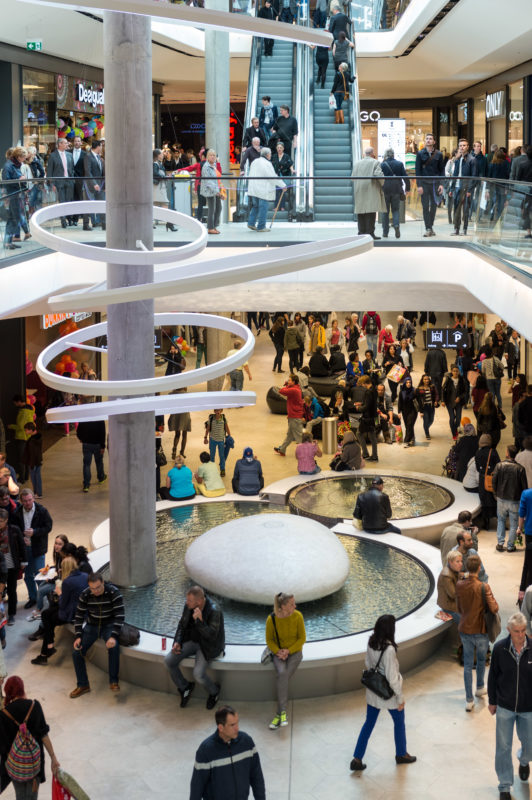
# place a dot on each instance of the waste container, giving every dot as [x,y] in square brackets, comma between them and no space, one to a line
[328,435]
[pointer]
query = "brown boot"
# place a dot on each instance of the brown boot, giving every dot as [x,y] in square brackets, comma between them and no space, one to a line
[341,115]
[336,117]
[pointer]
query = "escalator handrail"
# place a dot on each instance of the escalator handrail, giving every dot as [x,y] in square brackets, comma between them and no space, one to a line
[252,100]
[354,101]
[303,115]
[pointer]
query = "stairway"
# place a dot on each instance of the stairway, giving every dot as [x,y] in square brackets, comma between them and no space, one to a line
[333,199]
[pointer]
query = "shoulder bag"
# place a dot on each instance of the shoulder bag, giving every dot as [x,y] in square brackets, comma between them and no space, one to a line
[376,682]
[493,620]
[267,655]
[488,479]
[129,635]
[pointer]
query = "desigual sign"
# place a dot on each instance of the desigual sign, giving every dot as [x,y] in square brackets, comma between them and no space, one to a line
[496,104]
[93,97]
[370,116]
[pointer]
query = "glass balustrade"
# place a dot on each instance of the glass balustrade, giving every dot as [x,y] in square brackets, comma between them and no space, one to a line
[497,214]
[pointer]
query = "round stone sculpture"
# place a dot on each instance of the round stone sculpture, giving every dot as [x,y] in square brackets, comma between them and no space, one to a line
[253,558]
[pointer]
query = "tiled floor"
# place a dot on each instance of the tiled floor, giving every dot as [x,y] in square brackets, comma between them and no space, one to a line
[140,744]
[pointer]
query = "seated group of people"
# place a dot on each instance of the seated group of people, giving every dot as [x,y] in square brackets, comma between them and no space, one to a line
[182,484]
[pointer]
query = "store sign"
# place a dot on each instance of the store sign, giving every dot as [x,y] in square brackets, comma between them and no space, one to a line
[515,116]
[370,116]
[233,122]
[50,320]
[496,104]
[35,45]
[391,134]
[447,338]
[94,97]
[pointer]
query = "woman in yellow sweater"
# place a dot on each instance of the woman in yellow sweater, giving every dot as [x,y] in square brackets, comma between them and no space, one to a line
[285,636]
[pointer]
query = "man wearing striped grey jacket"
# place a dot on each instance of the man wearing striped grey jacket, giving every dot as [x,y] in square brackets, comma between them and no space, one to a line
[102,607]
[227,763]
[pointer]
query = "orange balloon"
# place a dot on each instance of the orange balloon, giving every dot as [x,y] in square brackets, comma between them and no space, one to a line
[59,368]
[65,358]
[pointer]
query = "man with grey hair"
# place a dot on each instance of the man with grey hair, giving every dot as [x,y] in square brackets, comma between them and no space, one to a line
[61,167]
[261,192]
[251,153]
[510,698]
[396,186]
[369,198]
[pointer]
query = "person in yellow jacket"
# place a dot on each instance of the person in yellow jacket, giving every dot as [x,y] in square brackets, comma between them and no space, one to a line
[318,337]
[25,414]
[285,637]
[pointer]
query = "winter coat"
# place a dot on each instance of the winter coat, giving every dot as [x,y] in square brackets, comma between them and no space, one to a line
[369,197]
[264,190]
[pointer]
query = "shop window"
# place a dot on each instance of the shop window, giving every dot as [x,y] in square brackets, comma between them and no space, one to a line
[515,115]
[38,94]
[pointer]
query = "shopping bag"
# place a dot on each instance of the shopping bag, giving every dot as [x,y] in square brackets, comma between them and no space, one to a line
[396,373]
[59,792]
[332,102]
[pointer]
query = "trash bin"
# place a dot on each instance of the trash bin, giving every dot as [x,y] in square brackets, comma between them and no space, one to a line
[182,195]
[328,435]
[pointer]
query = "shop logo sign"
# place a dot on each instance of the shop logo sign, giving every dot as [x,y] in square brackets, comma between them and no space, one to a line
[369,116]
[92,97]
[495,104]
[516,116]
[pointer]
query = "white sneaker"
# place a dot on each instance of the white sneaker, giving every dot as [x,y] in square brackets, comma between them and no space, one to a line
[481,692]
[470,705]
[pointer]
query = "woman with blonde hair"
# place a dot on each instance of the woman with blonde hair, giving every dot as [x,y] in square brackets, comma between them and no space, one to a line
[12,171]
[285,637]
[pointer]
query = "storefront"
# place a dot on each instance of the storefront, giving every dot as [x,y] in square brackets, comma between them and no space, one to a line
[80,108]
[418,122]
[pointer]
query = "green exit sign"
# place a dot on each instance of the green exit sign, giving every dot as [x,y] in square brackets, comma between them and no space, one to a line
[35,44]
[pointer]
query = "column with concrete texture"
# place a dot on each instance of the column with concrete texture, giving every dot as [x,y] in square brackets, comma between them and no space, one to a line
[217,90]
[129,195]
[218,345]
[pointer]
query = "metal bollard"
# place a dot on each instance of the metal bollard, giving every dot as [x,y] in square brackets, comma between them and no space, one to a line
[328,435]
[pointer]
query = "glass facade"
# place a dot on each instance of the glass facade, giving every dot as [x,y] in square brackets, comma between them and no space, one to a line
[38,100]
[479,120]
[418,124]
[515,115]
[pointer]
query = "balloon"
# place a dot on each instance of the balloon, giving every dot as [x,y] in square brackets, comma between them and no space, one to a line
[99,124]
[68,129]
[70,135]
[60,123]
[92,124]
[71,366]
[59,368]
[62,329]
[61,134]
[65,358]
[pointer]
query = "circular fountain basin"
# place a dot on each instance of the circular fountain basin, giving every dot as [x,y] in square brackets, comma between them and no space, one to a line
[337,631]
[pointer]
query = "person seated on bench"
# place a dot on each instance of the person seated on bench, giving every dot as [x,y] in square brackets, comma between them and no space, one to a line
[318,364]
[247,477]
[208,479]
[337,360]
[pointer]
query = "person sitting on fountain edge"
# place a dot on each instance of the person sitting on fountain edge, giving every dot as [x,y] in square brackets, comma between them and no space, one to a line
[200,633]
[373,509]
[248,478]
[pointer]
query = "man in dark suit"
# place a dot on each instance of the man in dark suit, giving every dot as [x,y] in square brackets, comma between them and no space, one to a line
[254,131]
[94,167]
[78,160]
[60,165]
[339,22]
[464,167]
[397,186]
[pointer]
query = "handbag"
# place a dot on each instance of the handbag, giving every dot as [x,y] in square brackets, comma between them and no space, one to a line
[160,458]
[267,655]
[129,635]
[376,682]
[492,619]
[488,479]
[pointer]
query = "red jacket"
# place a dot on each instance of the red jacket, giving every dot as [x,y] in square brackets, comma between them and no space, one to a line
[365,318]
[294,401]
[385,338]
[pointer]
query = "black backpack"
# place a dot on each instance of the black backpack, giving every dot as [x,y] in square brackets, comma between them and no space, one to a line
[371,325]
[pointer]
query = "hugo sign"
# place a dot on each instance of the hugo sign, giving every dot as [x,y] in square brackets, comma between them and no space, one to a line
[496,104]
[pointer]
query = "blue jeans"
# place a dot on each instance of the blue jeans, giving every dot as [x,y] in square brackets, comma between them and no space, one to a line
[507,508]
[338,98]
[481,642]
[36,480]
[88,637]
[503,743]
[213,447]
[90,450]
[311,472]
[371,343]
[188,649]
[392,201]
[35,563]
[399,732]
[237,380]
[43,591]
[428,418]
[259,210]
[494,386]
[455,415]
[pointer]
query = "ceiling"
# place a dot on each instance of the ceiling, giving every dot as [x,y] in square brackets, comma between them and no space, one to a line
[473,42]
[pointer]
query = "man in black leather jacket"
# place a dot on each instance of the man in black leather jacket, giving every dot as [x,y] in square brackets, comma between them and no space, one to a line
[200,634]
[374,510]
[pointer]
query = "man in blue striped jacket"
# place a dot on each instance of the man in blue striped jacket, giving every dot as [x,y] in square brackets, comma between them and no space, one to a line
[102,607]
[227,763]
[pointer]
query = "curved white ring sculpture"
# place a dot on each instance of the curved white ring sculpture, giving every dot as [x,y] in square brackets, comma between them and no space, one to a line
[142,386]
[134,258]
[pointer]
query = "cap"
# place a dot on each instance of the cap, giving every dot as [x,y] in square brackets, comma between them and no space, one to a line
[377,480]
[248,452]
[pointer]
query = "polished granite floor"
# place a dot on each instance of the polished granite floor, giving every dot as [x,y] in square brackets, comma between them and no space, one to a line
[140,744]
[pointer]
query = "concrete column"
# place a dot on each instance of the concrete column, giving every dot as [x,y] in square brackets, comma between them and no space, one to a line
[217,89]
[218,344]
[129,193]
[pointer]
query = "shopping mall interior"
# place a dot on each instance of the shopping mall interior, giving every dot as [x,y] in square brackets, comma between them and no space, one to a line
[420,67]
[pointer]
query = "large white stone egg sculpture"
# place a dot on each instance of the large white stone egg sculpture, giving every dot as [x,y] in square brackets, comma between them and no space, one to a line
[253,558]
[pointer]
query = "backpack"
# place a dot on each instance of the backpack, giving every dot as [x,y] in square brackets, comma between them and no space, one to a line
[325,410]
[498,370]
[23,762]
[371,325]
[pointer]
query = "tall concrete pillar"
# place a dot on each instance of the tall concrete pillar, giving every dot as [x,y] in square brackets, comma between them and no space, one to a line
[129,194]
[217,89]
[218,345]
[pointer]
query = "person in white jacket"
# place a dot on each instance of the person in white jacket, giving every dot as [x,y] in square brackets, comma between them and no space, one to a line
[382,651]
[261,192]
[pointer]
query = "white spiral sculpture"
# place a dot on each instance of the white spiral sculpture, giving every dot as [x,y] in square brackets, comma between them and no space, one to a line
[139,395]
